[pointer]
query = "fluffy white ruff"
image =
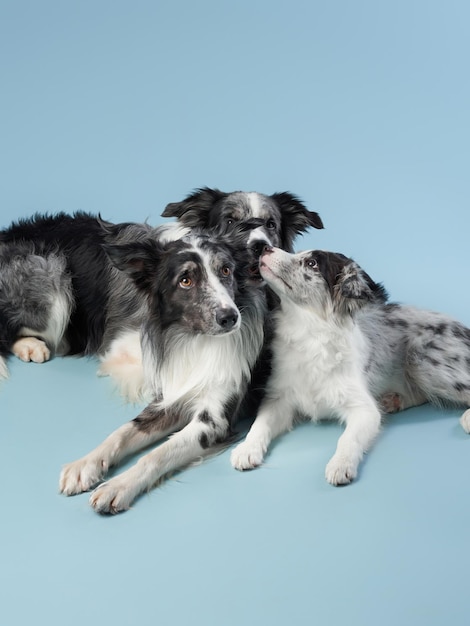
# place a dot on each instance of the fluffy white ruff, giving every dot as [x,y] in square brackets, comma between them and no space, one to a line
[123,363]
[192,361]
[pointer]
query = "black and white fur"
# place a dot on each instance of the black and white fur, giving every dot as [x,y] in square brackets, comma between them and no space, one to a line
[282,215]
[340,350]
[201,338]
[60,294]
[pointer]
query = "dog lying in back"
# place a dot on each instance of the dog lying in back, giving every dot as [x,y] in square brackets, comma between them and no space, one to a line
[341,351]
[201,338]
[282,215]
[59,292]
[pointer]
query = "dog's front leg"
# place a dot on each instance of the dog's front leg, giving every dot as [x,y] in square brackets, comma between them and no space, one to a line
[275,417]
[184,447]
[150,426]
[362,427]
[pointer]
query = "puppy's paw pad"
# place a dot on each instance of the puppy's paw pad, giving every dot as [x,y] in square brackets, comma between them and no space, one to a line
[465,421]
[110,498]
[246,456]
[31,349]
[340,471]
[391,402]
[81,476]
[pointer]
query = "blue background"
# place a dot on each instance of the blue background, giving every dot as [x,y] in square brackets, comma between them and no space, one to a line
[362,109]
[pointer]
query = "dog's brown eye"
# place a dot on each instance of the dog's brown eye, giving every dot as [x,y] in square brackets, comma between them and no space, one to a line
[312,263]
[226,271]
[230,221]
[271,224]
[185,282]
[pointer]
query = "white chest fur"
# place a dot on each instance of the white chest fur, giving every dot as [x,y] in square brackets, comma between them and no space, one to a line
[316,361]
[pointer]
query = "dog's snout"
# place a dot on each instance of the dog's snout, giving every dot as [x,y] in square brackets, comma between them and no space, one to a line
[267,250]
[227,318]
[259,246]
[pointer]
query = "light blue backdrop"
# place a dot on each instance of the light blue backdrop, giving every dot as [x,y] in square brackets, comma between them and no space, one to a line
[362,109]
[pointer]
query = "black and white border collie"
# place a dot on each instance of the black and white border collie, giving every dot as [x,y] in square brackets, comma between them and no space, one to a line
[340,350]
[202,334]
[282,215]
[61,294]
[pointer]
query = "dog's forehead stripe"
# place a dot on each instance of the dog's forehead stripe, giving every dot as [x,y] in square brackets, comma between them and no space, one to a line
[243,205]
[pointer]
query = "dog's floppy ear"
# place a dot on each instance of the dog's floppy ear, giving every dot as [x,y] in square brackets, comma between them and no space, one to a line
[194,211]
[138,260]
[354,288]
[296,218]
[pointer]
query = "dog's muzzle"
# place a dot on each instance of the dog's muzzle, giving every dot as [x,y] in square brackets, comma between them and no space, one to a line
[227,318]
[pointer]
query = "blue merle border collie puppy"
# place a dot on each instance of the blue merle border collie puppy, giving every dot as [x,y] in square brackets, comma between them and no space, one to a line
[341,351]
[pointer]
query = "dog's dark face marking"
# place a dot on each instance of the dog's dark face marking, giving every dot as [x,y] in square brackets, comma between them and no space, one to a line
[190,283]
[282,215]
[317,279]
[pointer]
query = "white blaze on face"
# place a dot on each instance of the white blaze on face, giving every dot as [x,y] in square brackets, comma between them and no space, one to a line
[255,204]
[257,235]
[221,295]
[258,211]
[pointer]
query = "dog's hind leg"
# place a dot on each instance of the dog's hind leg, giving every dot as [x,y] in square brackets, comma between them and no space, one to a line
[393,402]
[439,365]
[150,426]
[190,444]
[362,426]
[36,302]
[275,417]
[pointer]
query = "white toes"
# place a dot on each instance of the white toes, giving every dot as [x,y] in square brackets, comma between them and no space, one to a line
[31,349]
[81,475]
[113,496]
[465,421]
[246,456]
[341,470]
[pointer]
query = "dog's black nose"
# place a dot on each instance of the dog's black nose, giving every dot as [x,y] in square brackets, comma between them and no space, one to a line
[267,250]
[259,246]
[227,318]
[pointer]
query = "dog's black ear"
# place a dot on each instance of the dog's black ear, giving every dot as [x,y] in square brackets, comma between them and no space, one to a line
[194,211]
[138,260]
[295,218]
[354,288]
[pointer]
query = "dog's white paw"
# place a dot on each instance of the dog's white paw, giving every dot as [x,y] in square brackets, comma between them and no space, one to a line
[340,470]
[81,475]
[114,496]
[31,349]
[465,421]
[246,456]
